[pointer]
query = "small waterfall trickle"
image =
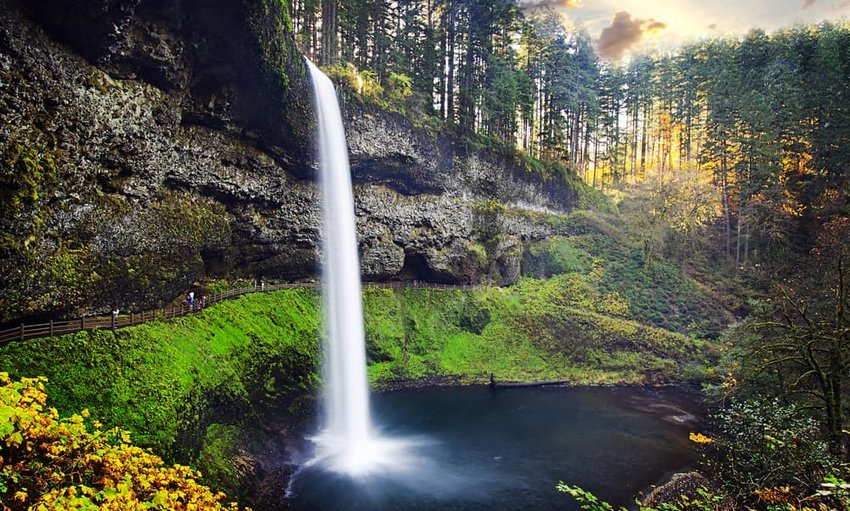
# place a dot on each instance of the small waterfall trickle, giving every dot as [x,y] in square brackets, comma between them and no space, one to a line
[348,444]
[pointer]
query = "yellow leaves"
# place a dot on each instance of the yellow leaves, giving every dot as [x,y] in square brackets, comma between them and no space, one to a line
[613,303]
[52,464]
[161,498]
[793,209]
[729,385]
[699,438]
[780,495]
[15,439]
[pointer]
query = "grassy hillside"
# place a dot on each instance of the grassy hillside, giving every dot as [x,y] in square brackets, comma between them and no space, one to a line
[525,333]
[606,260]
[164,381]
[192,388]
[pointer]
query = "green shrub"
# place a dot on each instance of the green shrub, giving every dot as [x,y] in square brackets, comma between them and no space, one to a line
[763,444]
[399,88]
[706,501]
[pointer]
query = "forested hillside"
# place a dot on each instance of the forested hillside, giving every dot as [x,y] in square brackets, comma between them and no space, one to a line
[754,128]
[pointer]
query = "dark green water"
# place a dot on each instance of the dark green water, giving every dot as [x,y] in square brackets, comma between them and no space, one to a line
[471,449]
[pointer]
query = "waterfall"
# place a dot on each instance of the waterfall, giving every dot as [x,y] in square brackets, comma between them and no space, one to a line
[346,442]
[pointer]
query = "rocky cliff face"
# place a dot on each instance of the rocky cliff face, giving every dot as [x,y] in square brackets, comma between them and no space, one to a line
[145,144]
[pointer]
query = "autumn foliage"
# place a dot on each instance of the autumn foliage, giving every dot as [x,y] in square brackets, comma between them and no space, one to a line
[48,463]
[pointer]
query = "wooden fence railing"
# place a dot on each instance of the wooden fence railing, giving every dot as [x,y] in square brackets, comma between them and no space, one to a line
[35,330]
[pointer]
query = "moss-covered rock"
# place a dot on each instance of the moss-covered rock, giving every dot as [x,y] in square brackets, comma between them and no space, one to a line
[388,148]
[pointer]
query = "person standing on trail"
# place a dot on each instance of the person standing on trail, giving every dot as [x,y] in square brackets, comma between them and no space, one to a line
[191,298]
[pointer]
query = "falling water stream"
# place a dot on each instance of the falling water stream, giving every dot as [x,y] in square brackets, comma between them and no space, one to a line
[349,444]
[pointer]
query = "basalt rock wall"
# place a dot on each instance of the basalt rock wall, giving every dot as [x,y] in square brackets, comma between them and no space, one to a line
[147,144]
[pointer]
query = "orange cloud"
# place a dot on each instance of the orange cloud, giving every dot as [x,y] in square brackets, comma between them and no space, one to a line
[624,33]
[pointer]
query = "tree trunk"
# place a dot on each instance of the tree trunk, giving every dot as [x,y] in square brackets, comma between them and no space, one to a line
[727,217]
[584,154]
[450,79]
[738,234]
[329,32]
[646,114]
[835,415]
[467,106]
[574,138]
[595,156]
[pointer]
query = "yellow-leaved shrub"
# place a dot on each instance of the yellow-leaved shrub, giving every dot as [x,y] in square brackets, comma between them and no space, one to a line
[48,463]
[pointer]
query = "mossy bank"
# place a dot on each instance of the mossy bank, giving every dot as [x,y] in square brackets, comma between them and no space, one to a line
[165,381]
[518,333]
[177,383]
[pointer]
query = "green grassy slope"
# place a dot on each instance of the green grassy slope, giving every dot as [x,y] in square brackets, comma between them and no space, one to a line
[517,333]
[605,261]
[165,380]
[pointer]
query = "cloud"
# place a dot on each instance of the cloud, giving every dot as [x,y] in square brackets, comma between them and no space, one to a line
[533,4]
[653,27]
[624,33]
[808,3]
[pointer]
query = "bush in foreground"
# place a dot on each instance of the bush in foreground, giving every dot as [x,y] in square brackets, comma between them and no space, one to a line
[48,463]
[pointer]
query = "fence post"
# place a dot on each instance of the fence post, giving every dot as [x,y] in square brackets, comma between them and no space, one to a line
[83,323]
[51,328]
[22,331]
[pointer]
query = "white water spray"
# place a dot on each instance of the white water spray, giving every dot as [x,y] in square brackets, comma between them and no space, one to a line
[348,443]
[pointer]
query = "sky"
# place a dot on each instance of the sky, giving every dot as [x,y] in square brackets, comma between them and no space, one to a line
[621,27]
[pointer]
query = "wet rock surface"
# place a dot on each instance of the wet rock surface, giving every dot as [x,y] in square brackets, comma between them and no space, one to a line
[147,144]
